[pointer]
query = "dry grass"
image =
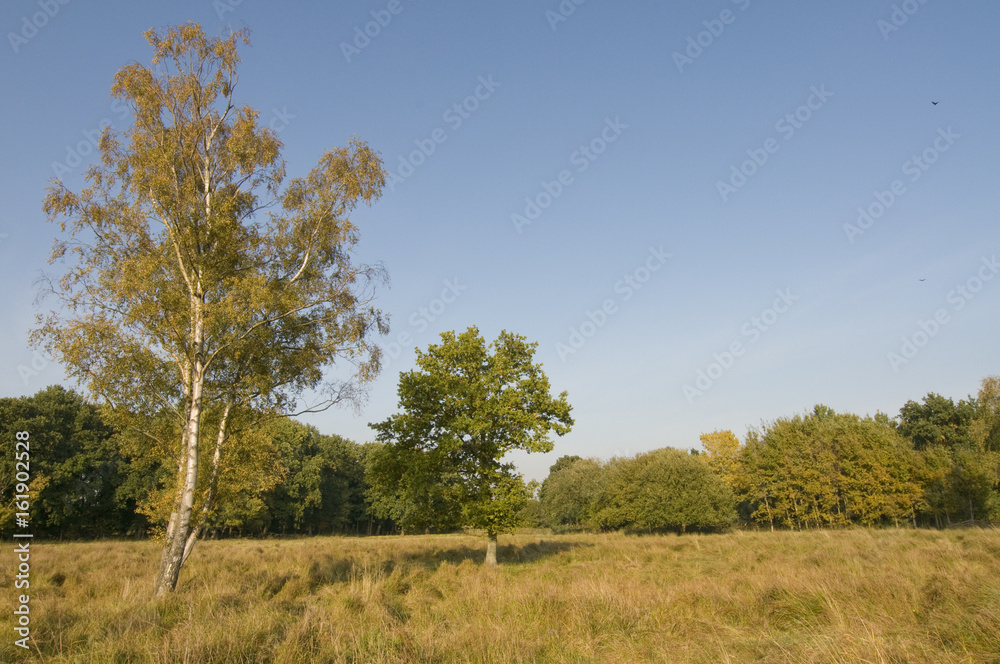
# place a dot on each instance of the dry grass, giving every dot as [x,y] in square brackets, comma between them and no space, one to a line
[831,597]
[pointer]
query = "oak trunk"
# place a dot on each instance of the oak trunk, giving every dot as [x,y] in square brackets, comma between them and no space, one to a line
[491,551]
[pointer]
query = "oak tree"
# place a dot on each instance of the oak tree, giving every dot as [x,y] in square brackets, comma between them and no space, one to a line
[201,291]
[440,461]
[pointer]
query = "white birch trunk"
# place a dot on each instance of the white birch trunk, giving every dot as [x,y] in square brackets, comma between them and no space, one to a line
[173,551]
[213,484]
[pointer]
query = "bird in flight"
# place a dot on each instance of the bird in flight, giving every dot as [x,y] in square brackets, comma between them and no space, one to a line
[935,103]
[923,280]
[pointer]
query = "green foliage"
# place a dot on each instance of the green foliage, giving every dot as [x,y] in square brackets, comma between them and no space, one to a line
[84,484]
[820,469]
[985,429]
[663,490]
[323,484]
[565,461]
[439,462]
[531,515]
[960,452]
[568,495]
[418,489]
[938,421]
[959,485]
[75,468]
[826,469]
[974,481]
[877,482]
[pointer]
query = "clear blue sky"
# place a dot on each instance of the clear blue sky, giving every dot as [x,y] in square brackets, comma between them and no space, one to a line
[628,125]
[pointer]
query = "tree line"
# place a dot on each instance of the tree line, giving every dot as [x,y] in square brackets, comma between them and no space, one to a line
[936,464]
[87,482]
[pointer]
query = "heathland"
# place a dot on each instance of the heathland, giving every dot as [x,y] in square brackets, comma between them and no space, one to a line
[850,595]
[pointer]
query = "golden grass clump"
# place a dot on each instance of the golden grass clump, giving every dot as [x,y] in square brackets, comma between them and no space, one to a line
[848,596]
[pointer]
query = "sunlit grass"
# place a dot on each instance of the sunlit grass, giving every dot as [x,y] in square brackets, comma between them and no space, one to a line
[837,596]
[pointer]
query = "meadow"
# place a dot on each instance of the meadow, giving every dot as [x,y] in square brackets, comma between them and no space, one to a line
[818,596]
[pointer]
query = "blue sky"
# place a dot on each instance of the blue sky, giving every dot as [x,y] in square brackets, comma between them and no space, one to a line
[819,213]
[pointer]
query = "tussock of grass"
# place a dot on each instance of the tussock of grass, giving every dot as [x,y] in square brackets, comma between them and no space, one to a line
[840,596]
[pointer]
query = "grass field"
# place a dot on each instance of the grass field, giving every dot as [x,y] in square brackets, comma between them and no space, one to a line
[839,596]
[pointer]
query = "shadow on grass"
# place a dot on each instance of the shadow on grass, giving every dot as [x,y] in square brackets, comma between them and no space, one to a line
[332,569]
[508,554]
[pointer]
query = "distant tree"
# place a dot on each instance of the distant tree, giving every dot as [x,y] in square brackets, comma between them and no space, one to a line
[935,478]
[417,488]
[531,515]
[960,484]
[985,428]
[302,466]
[322,489]
[960,457]
[791,474]
[876,477]
[666,489]
[974,481]
[937,421]
[567,496]
[75,468]
[829,469]
[722,451]
[464,408]
[562,462]
[565,461]
[200,295]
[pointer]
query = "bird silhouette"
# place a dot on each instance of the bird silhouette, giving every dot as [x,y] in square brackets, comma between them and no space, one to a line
[935,103]
[923,280]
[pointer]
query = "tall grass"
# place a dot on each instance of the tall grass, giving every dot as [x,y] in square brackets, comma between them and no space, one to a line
[839,596]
